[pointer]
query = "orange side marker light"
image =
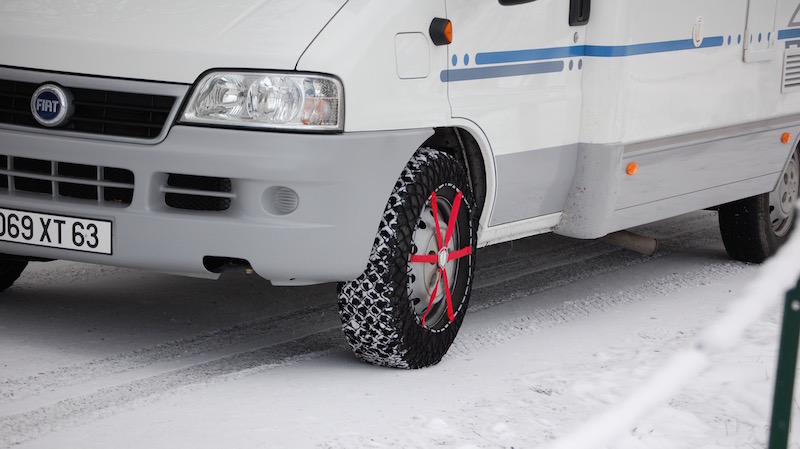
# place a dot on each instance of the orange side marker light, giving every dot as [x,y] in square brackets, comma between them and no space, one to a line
[632,168]
[441,31]
[786,137]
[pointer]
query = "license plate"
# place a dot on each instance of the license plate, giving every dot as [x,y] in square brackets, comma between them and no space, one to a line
[55,231]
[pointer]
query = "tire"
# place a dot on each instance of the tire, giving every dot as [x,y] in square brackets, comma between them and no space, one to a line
[10,270]
[753,229]
[405,310]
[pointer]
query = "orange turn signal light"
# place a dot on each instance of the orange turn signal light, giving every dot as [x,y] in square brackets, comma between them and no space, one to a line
[448,32]
[786,137]
[632,168]
[441,31]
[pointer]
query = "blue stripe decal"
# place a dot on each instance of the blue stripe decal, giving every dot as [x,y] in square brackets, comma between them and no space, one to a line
[501,71]
[788,34]
[500,57]
[602,51]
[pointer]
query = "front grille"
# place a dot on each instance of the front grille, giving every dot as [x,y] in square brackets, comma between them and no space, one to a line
[200,193]
[67,180]
[103,112]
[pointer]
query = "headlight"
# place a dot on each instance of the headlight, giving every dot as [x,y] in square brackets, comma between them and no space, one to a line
[267,100]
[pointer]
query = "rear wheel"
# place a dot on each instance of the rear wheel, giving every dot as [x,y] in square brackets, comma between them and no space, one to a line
[754,228]
[405,310]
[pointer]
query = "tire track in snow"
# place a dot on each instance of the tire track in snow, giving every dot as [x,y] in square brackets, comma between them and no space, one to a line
[508,263]
[568,311]
[576,262]
[527,273]
[508,278]
[316,317]
[22,427]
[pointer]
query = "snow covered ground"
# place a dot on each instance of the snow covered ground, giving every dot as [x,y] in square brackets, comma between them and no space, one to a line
[559,331]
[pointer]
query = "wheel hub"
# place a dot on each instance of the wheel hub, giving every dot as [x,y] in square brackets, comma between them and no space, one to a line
[444,257]
[789,189]
[782,199]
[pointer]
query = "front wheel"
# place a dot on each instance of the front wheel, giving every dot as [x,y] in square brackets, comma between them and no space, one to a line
[754,228]
[405,310]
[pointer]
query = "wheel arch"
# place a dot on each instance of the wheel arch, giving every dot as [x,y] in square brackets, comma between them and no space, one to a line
[462,144]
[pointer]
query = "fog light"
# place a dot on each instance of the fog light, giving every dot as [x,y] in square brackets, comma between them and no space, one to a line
[286,200]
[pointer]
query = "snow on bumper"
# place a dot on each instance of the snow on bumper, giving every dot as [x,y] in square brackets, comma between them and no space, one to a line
[342,181]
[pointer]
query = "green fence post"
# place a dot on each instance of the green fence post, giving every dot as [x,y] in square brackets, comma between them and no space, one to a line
[787,366]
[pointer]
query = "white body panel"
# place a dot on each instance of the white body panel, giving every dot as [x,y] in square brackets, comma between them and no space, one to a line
[172,41]
[647,96]
[546,114]
[361,46]
[518,113]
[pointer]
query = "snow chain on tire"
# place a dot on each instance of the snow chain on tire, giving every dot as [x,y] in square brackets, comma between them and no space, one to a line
[378,308]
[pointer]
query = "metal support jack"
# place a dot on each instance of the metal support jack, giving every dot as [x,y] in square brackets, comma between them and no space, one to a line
[787,366]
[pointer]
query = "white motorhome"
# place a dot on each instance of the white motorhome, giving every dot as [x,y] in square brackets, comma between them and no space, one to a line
[379,144]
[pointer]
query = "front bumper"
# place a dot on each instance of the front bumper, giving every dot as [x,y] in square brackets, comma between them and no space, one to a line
[342,180]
